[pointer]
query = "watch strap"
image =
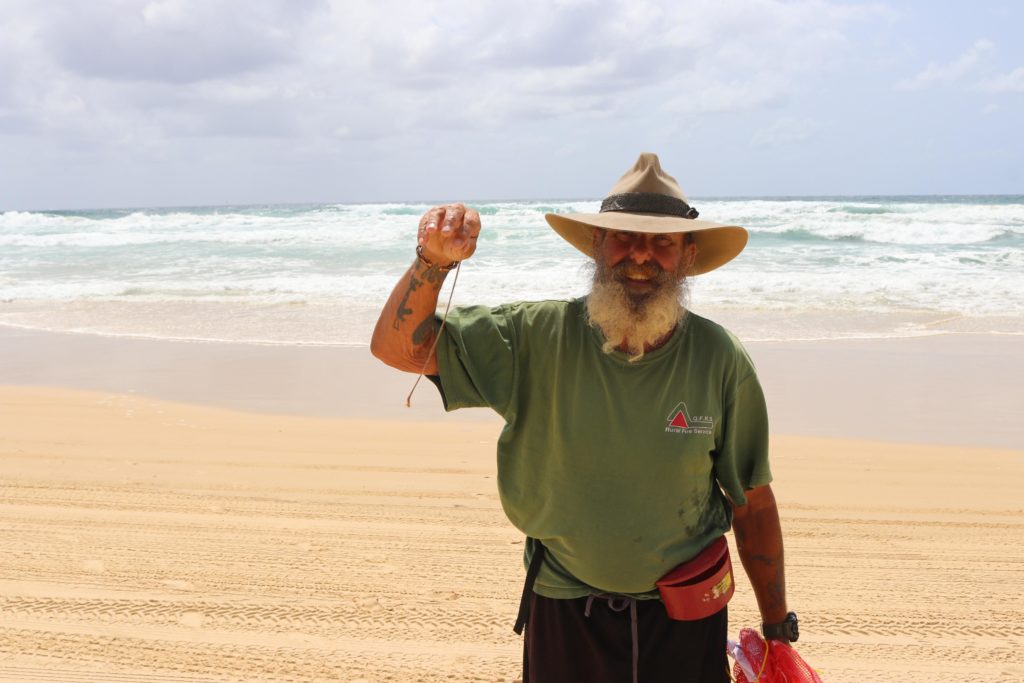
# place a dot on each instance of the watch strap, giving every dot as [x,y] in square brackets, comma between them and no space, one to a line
[786,630]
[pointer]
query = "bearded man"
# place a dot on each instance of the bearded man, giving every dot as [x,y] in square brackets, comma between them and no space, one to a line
[635,435]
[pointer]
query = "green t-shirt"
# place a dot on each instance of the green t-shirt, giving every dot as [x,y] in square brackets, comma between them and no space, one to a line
[616,467]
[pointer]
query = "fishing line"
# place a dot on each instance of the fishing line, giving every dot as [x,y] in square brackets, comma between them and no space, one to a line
[437,337]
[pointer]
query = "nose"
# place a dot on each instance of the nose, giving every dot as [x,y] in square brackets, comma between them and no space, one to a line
[640,250]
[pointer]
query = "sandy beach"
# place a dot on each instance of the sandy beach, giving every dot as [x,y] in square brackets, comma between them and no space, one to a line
[211,512]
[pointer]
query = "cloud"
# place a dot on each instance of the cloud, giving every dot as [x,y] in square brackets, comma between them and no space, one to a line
[121,72]
[1012,82]
[171,40]
[939,74]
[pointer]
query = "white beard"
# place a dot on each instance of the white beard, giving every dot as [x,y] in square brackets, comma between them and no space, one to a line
[632,322]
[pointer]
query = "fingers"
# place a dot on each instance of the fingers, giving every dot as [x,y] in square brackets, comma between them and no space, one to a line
[465,240]
[450,231]
[453,214]
[472,222]
[428,224]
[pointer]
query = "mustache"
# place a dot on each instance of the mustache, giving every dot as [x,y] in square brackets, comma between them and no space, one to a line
[648,270]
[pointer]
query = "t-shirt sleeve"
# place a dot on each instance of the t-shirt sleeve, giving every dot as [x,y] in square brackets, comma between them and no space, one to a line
[476,359]
[741,462]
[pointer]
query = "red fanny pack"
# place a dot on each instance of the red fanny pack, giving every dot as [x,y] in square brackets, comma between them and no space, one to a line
[700,587]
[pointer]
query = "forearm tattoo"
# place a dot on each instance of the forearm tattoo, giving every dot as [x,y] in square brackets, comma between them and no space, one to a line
[403,311]
[432,275]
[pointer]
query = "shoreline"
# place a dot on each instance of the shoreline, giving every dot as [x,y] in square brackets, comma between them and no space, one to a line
[349,322]
[957,389]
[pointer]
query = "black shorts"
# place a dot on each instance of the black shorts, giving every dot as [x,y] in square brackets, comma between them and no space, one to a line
[564,645]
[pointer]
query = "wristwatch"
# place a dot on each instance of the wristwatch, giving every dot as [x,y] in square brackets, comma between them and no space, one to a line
[788,629]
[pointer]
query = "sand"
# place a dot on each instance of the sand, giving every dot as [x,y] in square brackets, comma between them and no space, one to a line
[213,537]
[947,389]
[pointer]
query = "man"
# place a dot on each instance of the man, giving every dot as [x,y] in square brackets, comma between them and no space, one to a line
[636,432]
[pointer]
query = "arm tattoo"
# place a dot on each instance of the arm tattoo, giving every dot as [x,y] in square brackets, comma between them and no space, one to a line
[424,332]
[432,275]
[403,312]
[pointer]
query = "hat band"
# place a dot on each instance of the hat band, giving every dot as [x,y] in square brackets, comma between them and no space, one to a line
[648,202]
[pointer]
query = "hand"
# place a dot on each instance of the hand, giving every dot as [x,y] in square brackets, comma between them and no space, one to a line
[448,233]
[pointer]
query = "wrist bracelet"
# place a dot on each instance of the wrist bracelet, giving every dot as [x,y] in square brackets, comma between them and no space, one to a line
[428,262]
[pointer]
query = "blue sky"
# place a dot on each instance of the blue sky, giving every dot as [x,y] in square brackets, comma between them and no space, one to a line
[185,102]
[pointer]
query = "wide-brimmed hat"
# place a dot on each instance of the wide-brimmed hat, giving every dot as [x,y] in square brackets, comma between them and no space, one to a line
[646,199]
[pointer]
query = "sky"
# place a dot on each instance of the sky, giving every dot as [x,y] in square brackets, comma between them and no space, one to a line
[133,103]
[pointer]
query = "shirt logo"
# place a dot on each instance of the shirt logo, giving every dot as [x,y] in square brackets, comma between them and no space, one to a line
[681,422]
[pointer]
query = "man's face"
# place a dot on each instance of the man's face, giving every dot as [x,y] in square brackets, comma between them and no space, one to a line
[639,288]
[643,262]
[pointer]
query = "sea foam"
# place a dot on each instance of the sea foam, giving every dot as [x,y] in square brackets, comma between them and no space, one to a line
[841,266]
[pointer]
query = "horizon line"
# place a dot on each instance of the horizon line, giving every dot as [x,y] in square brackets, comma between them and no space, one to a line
[518,200]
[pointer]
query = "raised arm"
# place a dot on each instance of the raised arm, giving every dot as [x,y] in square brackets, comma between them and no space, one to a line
[759,541]
[407,326]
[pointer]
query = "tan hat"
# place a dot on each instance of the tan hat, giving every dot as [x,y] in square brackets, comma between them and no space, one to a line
[646,199]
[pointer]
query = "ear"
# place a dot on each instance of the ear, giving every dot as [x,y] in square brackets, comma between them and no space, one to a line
[690,254]
[597,236]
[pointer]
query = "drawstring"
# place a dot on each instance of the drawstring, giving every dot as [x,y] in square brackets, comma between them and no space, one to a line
[618,603]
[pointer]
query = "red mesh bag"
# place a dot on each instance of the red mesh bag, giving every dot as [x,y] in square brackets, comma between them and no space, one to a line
[758,661]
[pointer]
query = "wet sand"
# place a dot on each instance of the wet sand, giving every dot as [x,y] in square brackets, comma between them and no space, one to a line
[944,389]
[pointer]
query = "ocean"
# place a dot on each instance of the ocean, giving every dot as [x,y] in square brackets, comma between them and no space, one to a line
[815,268]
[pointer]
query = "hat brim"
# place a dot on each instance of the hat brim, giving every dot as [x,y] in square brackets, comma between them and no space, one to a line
[717,244]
